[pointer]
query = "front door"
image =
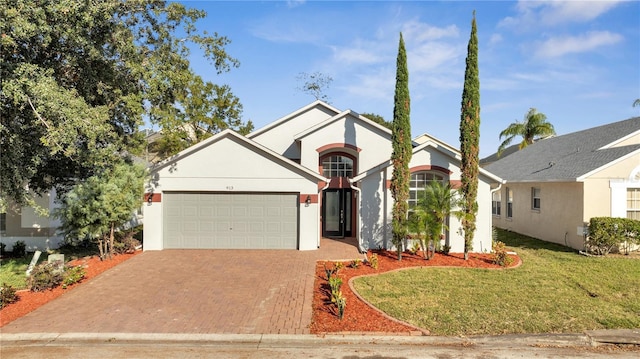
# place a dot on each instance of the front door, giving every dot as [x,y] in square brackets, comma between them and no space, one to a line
[336,213]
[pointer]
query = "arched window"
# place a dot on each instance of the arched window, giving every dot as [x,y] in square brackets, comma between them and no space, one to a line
[419,180]
[337,166]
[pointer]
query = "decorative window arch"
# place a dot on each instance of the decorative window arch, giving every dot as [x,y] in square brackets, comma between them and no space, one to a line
[419,180]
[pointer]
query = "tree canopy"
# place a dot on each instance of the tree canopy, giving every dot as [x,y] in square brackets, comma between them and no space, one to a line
[378,119]
[533,127]
[97,206]
[79,79]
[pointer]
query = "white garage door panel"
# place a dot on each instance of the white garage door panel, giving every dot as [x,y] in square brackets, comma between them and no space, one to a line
[243,220]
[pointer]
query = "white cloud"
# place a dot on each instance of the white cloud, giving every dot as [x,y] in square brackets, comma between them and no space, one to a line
[414,31]
[562,45]
[495,39]
[532,14]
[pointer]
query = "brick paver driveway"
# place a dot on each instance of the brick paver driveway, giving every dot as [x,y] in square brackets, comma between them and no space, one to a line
[192,291]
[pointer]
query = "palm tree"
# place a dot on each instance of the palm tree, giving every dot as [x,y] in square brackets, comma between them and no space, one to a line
[636,103]
[437,203]
[533,127]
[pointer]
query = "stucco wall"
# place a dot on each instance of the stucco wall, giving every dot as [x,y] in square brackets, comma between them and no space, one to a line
[558,219]
[228,166]
[280,138]
[374,144]
[376,207]
[606,190]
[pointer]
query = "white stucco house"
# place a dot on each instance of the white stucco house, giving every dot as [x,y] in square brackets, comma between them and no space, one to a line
[317,172]
[24,223]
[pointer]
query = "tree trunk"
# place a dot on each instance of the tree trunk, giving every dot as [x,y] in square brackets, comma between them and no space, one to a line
[100,248]
[111,242]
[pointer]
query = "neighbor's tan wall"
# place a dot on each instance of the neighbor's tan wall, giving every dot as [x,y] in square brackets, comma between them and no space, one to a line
[558,219]
[633,140]
[597,199]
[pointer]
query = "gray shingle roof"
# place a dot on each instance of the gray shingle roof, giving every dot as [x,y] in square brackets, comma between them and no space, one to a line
[567,157]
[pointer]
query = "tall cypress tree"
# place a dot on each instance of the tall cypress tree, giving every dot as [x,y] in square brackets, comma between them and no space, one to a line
[402,149]
[469,140]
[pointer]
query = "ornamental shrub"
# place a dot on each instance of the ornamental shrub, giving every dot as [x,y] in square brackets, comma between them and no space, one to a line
[608,233]
[45,276]
[19,249]
[7,295]
[73,275]
[500,256]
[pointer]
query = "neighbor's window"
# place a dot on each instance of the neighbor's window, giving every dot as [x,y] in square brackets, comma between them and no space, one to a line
[509,203]
[495,203]
[535,198]
[418,182]
[337,166]
[633,203]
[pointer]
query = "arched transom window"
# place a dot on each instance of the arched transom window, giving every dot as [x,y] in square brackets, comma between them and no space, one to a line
[419,181]
[337,166]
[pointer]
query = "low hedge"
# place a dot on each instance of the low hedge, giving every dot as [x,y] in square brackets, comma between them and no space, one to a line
[607,233]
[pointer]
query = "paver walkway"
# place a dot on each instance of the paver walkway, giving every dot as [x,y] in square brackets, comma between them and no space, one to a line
[193,291]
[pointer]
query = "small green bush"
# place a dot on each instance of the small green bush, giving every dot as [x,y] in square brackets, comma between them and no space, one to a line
[373,261]
[45,276]
[341,303]
[500,256]
[73,275]
[2,248]
[19,249]
[126,242]
[356,263]
[7,295]
[335,283]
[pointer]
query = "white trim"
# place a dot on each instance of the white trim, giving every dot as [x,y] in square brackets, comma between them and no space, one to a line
[622,139]
[337,117]
[249,143]
[607,165]
[291,116]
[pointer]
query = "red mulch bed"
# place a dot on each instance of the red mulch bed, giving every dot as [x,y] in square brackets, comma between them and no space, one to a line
[359,316]
[29,301]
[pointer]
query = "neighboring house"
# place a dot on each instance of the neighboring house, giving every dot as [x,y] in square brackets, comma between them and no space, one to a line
[23,223]
[555,186]
[316,172]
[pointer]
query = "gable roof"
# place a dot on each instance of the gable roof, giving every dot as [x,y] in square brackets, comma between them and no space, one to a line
[294,114]
[230,134]
[569,157]
[338,117]
[434,143]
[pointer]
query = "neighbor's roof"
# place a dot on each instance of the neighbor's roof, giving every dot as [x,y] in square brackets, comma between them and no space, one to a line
[570,157]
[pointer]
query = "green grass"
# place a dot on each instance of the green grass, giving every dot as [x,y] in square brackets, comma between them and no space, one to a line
[555,290]
[12,272]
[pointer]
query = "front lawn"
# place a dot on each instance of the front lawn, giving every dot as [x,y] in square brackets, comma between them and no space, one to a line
[555,290]
[12,272]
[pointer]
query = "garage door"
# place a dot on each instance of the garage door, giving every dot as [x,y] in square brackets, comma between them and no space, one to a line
[232,221]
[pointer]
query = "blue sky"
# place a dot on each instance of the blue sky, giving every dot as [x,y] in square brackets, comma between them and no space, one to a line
[578,62]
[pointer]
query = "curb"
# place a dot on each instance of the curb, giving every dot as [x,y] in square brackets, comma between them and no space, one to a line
[587,339]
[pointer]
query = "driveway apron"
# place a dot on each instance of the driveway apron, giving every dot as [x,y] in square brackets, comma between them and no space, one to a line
[193,291]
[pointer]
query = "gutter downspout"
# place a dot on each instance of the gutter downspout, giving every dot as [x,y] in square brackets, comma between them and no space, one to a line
[492,192]
[358,224]
[328,182]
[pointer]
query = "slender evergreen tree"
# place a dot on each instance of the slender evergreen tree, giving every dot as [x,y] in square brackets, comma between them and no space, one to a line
[402,149]
[469,140]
